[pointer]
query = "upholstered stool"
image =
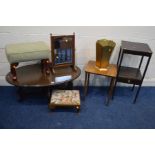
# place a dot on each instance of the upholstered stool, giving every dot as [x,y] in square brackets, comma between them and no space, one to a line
[65,98]
[23,52]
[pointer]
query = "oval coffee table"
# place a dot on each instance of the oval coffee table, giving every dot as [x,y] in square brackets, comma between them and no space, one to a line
[32,76]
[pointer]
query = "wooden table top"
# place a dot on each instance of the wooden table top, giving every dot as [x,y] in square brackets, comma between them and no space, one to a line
[136,48]
[110,72]
[32,76]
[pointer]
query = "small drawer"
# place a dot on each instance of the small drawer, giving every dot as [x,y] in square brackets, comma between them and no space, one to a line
[124,80]
[129,81]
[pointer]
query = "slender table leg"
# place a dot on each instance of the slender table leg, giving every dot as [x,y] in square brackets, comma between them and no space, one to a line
[114,89]
[88,79]
[70,85]
[137,94]
[20,94]
[85,84]
[133,87]
[49,93]
[110,90]
[87,75]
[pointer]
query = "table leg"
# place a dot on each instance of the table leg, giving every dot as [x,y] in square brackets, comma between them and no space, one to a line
[133,87]
[110,90]
[20,94]
[49,92]
[114,89]
[88,79]
[85,83]
[137,94]
[87,75]
[13,71]
[70,85]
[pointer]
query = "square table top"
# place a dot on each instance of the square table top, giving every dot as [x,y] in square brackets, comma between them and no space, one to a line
[136,48]
[93,69]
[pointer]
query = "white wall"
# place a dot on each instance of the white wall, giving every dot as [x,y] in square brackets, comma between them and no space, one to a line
[85,45]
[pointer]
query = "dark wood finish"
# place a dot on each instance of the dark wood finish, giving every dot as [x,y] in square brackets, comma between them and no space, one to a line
[132,75]
[53,106]
[85,84]
[66,42]
[136,48]
[13,71]
[111,90]
[32,76]
[20,94]
[87,75]
[111,72]
[44,66]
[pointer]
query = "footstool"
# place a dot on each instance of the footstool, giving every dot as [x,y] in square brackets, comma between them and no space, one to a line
[23,52]
[65,98]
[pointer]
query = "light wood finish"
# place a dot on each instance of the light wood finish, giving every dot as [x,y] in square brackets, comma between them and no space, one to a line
[111,72]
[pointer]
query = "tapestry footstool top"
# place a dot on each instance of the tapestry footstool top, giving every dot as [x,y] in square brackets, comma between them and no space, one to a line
[65,98]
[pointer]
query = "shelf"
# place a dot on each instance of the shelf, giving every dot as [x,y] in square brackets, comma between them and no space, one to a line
[136,48]
[130,75]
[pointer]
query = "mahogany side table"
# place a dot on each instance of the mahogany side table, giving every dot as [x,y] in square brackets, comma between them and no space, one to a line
[133,75]
[111,72]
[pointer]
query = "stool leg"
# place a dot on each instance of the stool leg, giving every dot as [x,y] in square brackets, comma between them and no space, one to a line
[78,108]
[13,71]
[45,65]
[42,66]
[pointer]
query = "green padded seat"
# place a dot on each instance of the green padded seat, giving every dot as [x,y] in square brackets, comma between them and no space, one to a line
[22,52]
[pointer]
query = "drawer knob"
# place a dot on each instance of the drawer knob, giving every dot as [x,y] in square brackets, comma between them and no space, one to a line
[128,81]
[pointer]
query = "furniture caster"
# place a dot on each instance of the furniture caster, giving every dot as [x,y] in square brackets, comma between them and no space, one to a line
[78,108]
